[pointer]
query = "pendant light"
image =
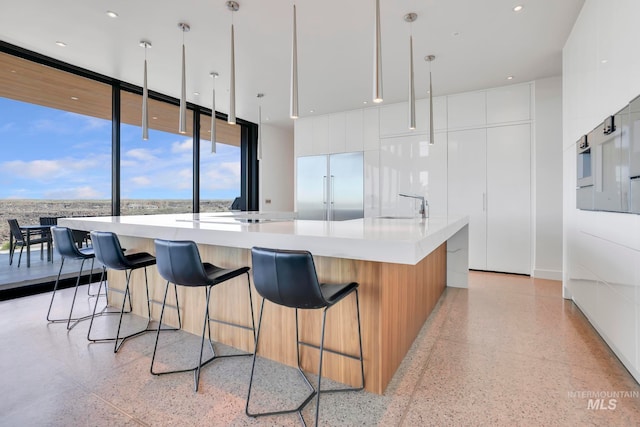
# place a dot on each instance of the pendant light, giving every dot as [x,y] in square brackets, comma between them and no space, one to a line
[214,76]
[377,59]
[410,17]
[293,107]
[145,94]
[182,127]
[233,6]
[260,96]
[429,59]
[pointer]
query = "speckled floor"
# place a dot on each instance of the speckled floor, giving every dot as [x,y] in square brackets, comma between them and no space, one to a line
[507,351]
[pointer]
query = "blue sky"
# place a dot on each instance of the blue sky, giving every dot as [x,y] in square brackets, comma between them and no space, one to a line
[54,154]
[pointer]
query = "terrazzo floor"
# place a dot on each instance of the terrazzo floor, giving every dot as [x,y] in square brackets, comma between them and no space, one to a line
[507,351]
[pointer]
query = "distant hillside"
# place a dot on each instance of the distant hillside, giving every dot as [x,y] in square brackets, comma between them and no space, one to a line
[30,211]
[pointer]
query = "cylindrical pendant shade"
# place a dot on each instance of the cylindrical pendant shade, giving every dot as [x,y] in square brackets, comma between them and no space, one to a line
[145,106]
[431,131]
[377,59]
[182,128]
[294,114]
[231,118]
[412,92]
[213,118]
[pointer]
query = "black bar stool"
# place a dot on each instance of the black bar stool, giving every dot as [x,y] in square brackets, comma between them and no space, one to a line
[179,263]
[289,278]
[63,239]
[109,252]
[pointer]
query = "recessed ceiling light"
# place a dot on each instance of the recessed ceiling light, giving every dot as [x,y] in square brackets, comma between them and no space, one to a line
[111,14]
[604,61]
[364,102]
[509,77]
[518,8]
[267,118]
[13,71]
[196,93]
[155,117]
[75,98]
[312,111]
[61,44]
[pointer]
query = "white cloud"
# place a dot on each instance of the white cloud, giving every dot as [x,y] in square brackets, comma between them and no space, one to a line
[182,147]
[6,127]
[84,192]
[142,154]
[141,181]
[35,169]
[222,177]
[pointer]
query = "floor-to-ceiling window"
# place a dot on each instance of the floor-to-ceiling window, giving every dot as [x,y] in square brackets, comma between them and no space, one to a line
[156,175]
[58,145]
[55,140]
[220,172]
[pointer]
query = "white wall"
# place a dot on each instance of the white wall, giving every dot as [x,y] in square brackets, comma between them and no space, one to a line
[547,178]
[601,66]
[276,169]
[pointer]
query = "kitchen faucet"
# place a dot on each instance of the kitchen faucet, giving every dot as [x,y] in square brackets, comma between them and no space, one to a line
[423,203]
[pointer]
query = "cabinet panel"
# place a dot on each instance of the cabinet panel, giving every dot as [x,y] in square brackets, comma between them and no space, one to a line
[466,110]
[371,129]
[303,135]
[440,113]
[467,171]
[404,168]
[337,132]
[509,104]
[394,120]
[509,199]
[371,183]
[354,131]
[436,177]
[321,135]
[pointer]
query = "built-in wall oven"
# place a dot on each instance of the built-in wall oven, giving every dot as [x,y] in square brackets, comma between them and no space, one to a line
[584,183]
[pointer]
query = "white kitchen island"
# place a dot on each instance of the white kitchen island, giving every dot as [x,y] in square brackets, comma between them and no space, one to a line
[402,265]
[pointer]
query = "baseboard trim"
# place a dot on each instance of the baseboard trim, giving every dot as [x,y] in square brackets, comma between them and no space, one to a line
[547,274]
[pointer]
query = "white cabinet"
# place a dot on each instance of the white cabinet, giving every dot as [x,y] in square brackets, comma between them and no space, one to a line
[509,104]
[371,129]
[466,110]
[371,183]
[490,180]
[337,132]
[408,164]
[303,137]
[394,119]
[509,199]
[467,151]
[354,131]
[320,135]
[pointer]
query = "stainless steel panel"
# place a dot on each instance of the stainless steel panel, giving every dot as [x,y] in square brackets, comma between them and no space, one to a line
[634,196]
[634,128]
[311,191]
[346,186]
[584,198]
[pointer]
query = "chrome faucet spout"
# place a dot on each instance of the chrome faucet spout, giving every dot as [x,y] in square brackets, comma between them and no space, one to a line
[423,203]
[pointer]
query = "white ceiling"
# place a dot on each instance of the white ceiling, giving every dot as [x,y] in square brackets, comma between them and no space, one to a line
[335,46]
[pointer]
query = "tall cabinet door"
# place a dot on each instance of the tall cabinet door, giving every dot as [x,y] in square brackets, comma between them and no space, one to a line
[509,199]
[467,176]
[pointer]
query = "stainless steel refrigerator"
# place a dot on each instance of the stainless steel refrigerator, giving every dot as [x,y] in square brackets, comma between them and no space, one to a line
[330,187]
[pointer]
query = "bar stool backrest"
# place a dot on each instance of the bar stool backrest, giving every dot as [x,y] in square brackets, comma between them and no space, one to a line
[287,278]
[108,250]
[179,262]
[64,243]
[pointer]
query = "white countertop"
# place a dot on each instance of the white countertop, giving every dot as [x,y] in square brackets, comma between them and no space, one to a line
[395,240]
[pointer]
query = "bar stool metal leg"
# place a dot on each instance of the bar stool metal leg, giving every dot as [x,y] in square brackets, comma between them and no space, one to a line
[206,329]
